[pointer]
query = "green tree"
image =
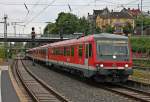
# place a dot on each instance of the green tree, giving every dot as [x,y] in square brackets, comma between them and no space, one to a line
[109,29]
[84,26]
[127,29]
[144,19]
[51,28]
[67,23]
[97,30]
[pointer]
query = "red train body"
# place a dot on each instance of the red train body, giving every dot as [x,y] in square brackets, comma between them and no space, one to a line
[105,57]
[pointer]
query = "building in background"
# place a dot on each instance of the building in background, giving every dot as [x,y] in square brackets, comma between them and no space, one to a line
[116,20]
[134,12]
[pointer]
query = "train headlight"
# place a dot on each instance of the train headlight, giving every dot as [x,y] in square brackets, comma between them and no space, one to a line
[114,56]
[101,65]
[126,65]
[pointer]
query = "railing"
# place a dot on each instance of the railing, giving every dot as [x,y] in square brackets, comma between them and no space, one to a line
[39,36]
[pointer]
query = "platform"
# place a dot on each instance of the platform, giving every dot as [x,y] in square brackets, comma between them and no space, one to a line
[8,93]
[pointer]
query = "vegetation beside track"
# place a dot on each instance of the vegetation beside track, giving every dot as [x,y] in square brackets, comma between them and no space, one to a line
[140,44]
[141,76]
[2,53]
[142,63]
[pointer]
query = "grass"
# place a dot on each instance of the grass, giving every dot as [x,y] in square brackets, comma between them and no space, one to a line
[141,76]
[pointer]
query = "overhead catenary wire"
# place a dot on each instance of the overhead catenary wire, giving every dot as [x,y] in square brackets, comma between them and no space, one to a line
[127,4]
[31,10]
[40,12]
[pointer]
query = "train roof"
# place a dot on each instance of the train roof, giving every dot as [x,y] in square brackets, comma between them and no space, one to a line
[108,35]
[82,39]
[89,38]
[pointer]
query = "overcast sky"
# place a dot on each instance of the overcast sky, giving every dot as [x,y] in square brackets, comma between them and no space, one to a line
[41,11]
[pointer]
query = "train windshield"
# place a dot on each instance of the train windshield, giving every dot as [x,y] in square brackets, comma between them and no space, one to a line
[113,50]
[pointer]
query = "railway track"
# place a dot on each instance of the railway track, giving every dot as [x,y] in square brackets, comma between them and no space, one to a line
[25,96]
[127,91]
[38,90]
[130,92]
[142,68]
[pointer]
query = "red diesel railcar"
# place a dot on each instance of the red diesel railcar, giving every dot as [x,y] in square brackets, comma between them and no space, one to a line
[104,57]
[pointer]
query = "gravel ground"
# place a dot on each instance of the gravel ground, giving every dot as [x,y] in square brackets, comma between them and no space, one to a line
[75,90]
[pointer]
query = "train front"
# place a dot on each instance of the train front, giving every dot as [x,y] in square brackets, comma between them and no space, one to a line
[113,59]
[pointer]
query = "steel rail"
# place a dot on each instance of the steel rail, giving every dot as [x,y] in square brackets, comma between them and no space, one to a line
[55,94]
[58,95]
[136,94]
[23,83]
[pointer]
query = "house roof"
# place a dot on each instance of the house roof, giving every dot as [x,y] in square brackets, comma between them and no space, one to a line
[99,12]
[96,12]
[106,14]
[120,15]
[116,15]
[135,12]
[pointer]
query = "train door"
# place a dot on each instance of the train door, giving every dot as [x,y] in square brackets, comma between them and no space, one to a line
[46,54]
[86,54]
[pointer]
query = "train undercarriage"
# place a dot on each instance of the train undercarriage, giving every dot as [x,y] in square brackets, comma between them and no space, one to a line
[113,75]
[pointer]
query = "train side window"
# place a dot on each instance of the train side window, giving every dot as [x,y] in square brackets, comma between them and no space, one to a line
[54,51]
[72,51]
[57,51]
[86,50]
[90,50]
[68,51]
[65,51]
[80,50]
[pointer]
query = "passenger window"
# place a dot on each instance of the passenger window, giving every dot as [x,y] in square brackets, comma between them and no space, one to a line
[90,50]
[68,51]
[80,50]
[65,51]
[87,52]
[72,51]
[61,51]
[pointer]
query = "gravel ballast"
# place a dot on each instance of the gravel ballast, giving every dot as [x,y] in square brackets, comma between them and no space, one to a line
[75,90]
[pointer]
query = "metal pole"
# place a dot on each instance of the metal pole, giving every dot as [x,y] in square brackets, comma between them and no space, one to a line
[5,26]
[142,17]
[33,43]
[5,36]
[15,29]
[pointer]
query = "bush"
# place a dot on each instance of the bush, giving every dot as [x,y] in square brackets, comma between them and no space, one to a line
[2,53]
[140,44]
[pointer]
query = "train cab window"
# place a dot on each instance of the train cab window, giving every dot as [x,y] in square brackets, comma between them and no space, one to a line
[72,51]
[80,50]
